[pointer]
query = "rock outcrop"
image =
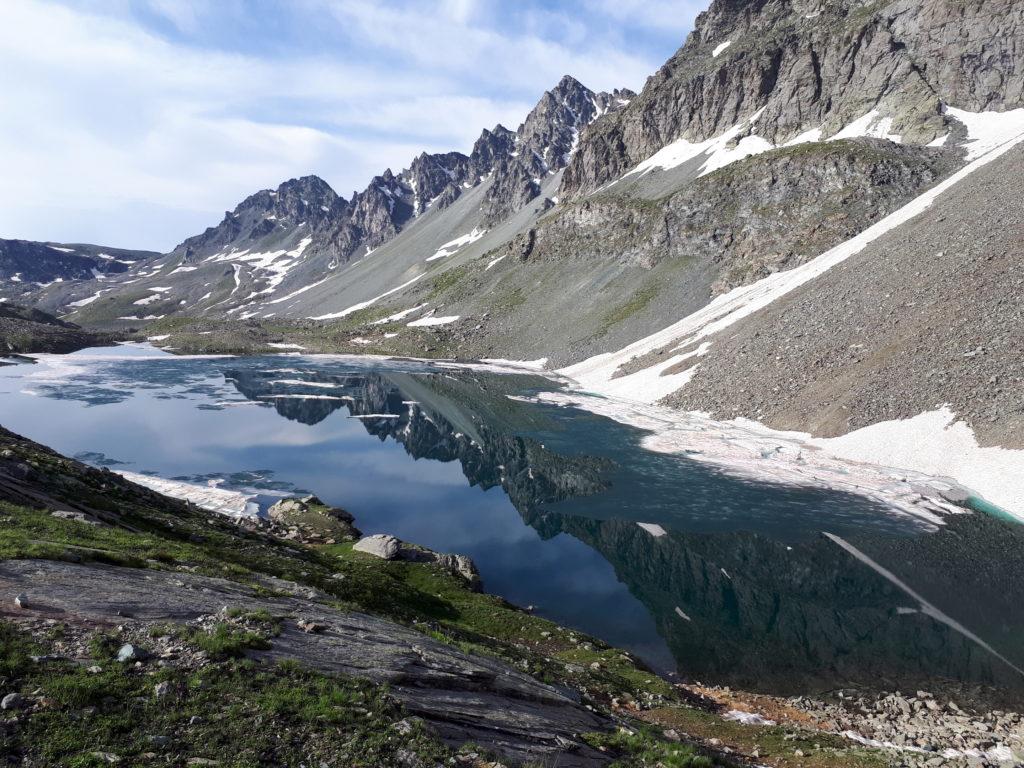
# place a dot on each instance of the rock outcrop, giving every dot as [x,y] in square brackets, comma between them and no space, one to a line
[310,520]
[810,64]
[764,214]
[464,698]
[24,331]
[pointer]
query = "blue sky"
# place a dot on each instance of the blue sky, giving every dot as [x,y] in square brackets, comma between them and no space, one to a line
[136,123]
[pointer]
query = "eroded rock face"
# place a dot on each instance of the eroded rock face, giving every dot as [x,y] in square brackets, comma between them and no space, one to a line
[307,200]
[815,63]
[762,215]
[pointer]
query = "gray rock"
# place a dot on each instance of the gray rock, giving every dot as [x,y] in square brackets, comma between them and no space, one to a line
[128,652]
[12,701]
[380,545]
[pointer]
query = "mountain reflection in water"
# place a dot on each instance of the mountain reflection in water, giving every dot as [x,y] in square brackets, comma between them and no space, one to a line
[761,586]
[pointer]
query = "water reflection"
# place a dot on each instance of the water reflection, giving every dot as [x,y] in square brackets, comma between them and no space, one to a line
[767,587]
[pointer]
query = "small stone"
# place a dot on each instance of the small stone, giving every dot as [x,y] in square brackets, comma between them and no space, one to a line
[201,761]
[798,753]
[161,689]
[128,652]
[12,701]
[672,735]
[159,741]
[195,720]
[107,757]
[94,669]
[21,601]
[310,627]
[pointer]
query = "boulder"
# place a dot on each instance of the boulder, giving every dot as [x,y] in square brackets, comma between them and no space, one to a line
[128,652]
[12,701]
[380,545]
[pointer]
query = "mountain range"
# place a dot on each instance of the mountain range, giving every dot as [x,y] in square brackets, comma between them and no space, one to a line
[796,220]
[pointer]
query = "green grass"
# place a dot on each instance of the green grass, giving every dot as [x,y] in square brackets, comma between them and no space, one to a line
[643,749]
[636,303]
[249,714]
[226,641]
[448,280]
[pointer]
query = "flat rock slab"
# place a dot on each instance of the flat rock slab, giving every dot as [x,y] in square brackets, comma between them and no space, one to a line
[464,698]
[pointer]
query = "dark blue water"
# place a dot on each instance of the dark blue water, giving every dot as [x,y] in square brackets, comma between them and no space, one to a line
[730,580]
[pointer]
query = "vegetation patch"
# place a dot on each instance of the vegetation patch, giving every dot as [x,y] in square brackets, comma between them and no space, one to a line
[235,712]
[637,303]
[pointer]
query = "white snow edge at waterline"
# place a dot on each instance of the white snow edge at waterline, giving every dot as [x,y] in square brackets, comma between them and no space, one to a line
[208,497]
[932,443]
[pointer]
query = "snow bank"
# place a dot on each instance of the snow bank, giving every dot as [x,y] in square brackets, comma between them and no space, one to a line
[936,443]
[424,322]
[209,497]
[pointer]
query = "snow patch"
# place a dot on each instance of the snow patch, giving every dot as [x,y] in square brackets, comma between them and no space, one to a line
[747,718]
[424,322]
[398,315]
[367,303]
[654,529]
[720,48]
[937,443]
[453,246]
[988,131]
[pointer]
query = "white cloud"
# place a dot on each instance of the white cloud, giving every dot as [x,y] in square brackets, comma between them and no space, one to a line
[118,135]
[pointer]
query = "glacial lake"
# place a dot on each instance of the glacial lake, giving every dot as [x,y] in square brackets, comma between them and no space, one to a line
[702,574]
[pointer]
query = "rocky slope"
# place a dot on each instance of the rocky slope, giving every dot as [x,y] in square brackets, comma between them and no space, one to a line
[815,65]
[945,288]
[26,266]
[24,330]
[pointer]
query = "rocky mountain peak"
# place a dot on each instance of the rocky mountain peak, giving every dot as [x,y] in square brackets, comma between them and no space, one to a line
[815,64]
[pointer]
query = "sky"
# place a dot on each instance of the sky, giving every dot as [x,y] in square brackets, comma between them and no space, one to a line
[136,123]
